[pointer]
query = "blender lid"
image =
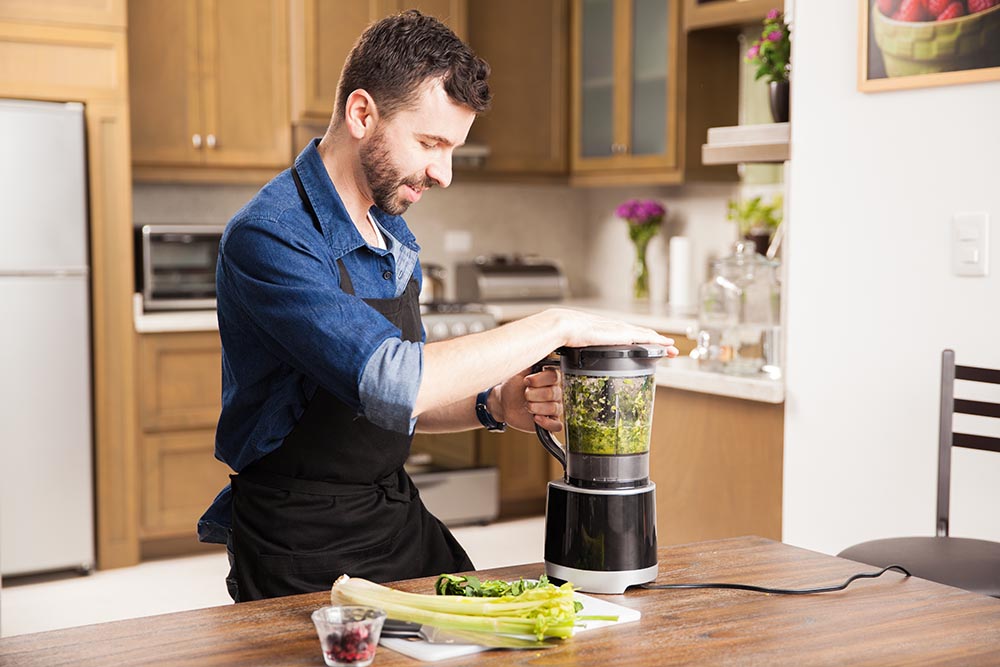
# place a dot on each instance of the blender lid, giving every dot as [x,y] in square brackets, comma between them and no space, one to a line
[611,359]
[615,351]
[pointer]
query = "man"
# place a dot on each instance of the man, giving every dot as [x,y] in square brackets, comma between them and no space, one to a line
[325,373]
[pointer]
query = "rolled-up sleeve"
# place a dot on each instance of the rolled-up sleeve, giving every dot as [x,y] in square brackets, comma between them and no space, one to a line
[307,321]
[389,384]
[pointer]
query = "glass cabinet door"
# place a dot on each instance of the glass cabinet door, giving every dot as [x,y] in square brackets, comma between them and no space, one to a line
[650,67]
[597,83]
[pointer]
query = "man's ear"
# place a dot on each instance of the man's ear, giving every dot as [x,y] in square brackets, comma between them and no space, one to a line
[360,114]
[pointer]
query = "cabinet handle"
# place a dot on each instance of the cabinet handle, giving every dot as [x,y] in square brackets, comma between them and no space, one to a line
[196,140]
[618,149]
[210,141]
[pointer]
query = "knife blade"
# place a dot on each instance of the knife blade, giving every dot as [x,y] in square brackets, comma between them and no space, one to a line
[433,635]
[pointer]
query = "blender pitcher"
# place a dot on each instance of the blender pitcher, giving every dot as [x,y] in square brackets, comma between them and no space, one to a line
[600,520]
[608,396]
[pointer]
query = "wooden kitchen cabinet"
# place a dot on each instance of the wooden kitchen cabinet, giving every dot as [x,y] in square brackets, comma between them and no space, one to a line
[209,82]
[644,93]
[717,465]
[526,128]
[323,32]
[179,402]
[625,82]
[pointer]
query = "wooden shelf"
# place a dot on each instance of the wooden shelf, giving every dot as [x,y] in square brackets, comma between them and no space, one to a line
[747,143]
[721,13]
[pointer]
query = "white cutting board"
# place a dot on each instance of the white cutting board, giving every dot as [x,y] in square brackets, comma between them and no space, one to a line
[421,650]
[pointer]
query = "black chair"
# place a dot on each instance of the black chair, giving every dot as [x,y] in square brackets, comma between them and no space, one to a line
[956,561]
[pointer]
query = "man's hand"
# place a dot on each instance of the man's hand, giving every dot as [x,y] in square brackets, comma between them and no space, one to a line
[530,398]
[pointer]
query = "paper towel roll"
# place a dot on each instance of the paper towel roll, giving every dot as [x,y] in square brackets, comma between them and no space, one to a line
[680,274]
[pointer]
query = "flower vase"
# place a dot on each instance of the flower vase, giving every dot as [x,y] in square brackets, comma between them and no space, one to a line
[640,272]
[778,99]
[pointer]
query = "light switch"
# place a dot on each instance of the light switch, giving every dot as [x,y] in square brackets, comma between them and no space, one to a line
[970,244]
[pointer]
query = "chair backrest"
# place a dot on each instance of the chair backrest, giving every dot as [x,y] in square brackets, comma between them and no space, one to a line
[948,438]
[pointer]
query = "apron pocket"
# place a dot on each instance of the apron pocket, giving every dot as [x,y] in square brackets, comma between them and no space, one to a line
[319,570]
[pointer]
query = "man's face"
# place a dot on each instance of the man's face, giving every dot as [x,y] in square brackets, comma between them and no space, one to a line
[411,151]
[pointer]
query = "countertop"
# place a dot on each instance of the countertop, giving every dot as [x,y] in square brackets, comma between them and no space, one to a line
[889,620]
[681,373]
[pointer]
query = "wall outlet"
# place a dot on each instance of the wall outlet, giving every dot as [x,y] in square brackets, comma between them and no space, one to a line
[457,241]
[970,242]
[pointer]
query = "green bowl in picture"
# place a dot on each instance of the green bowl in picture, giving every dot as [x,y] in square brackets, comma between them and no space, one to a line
[925,47]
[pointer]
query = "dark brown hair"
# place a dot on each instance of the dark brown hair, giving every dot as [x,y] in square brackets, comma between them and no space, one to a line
[394,56]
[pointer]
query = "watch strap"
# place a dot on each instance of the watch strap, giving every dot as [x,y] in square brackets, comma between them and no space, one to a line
[484,415]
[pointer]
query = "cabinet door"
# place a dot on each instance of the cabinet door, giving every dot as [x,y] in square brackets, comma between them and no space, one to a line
[652,84]
[180,477]
[164,82]
[180,380]
[526,128]
[244,63]
[594,68]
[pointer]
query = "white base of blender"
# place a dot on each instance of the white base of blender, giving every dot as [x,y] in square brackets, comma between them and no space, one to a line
[609,583]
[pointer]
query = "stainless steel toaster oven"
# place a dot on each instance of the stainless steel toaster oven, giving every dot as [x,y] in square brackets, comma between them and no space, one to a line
[175,266]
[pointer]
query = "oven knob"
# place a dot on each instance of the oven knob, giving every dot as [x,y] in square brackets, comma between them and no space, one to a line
[459,329]
[476,327]
[439,331]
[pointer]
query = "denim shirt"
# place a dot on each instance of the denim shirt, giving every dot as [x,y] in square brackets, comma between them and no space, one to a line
[287,327]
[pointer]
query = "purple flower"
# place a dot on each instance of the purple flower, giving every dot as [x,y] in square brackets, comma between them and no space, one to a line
[773,14]
[775,36]
[753,51]
[639,212]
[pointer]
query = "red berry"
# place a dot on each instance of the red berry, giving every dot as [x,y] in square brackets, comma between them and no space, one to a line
[953,10]
[981,5]
[935,7]
[911,10]
[887,7]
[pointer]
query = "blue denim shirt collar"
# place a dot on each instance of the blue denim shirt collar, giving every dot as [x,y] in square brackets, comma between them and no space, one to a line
[330,207]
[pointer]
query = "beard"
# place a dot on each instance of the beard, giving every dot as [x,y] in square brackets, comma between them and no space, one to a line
[384,178]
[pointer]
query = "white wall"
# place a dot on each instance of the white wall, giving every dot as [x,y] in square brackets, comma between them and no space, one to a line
[874,181]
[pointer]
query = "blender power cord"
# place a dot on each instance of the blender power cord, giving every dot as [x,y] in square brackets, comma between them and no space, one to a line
[784,591]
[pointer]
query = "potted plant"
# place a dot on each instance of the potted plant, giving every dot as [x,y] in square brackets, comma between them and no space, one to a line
[770,55]
[757,221]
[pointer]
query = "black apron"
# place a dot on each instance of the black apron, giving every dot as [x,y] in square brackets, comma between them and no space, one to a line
[334,499]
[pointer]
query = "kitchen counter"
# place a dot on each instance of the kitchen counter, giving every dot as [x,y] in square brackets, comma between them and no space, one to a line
[930,623]
[681,373]
[171,320]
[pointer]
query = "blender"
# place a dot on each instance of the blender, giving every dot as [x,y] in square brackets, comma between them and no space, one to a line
[600,518]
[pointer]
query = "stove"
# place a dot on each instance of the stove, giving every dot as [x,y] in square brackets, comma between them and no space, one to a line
[446,319]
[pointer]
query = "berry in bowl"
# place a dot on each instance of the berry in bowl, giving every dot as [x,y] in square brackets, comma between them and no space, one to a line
[348,635]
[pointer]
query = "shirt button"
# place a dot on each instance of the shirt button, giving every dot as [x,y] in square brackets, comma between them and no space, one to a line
[387,274]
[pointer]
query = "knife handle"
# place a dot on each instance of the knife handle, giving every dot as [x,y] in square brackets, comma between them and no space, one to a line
[393,627]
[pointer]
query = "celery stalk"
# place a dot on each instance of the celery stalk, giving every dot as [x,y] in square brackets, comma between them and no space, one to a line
[541,613]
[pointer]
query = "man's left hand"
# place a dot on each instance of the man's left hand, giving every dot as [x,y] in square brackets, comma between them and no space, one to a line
[530,398]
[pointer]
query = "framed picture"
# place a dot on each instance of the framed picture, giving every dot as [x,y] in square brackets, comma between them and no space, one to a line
[918,43]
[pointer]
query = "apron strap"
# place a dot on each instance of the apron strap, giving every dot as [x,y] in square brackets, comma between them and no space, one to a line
[390,485]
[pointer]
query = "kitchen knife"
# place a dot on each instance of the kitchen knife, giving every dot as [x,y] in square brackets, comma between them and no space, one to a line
[433,635]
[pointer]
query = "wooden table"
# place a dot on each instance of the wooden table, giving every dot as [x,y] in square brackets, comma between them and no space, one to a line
[892,620]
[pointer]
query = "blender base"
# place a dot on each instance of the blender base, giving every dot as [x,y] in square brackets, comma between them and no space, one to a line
[608,583]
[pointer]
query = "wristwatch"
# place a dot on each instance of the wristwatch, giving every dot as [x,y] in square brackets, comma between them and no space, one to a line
[483,413]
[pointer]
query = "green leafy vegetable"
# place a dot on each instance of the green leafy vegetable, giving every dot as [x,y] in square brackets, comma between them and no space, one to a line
[608,415]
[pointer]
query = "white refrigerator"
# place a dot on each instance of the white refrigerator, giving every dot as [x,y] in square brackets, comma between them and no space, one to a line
[46,423]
